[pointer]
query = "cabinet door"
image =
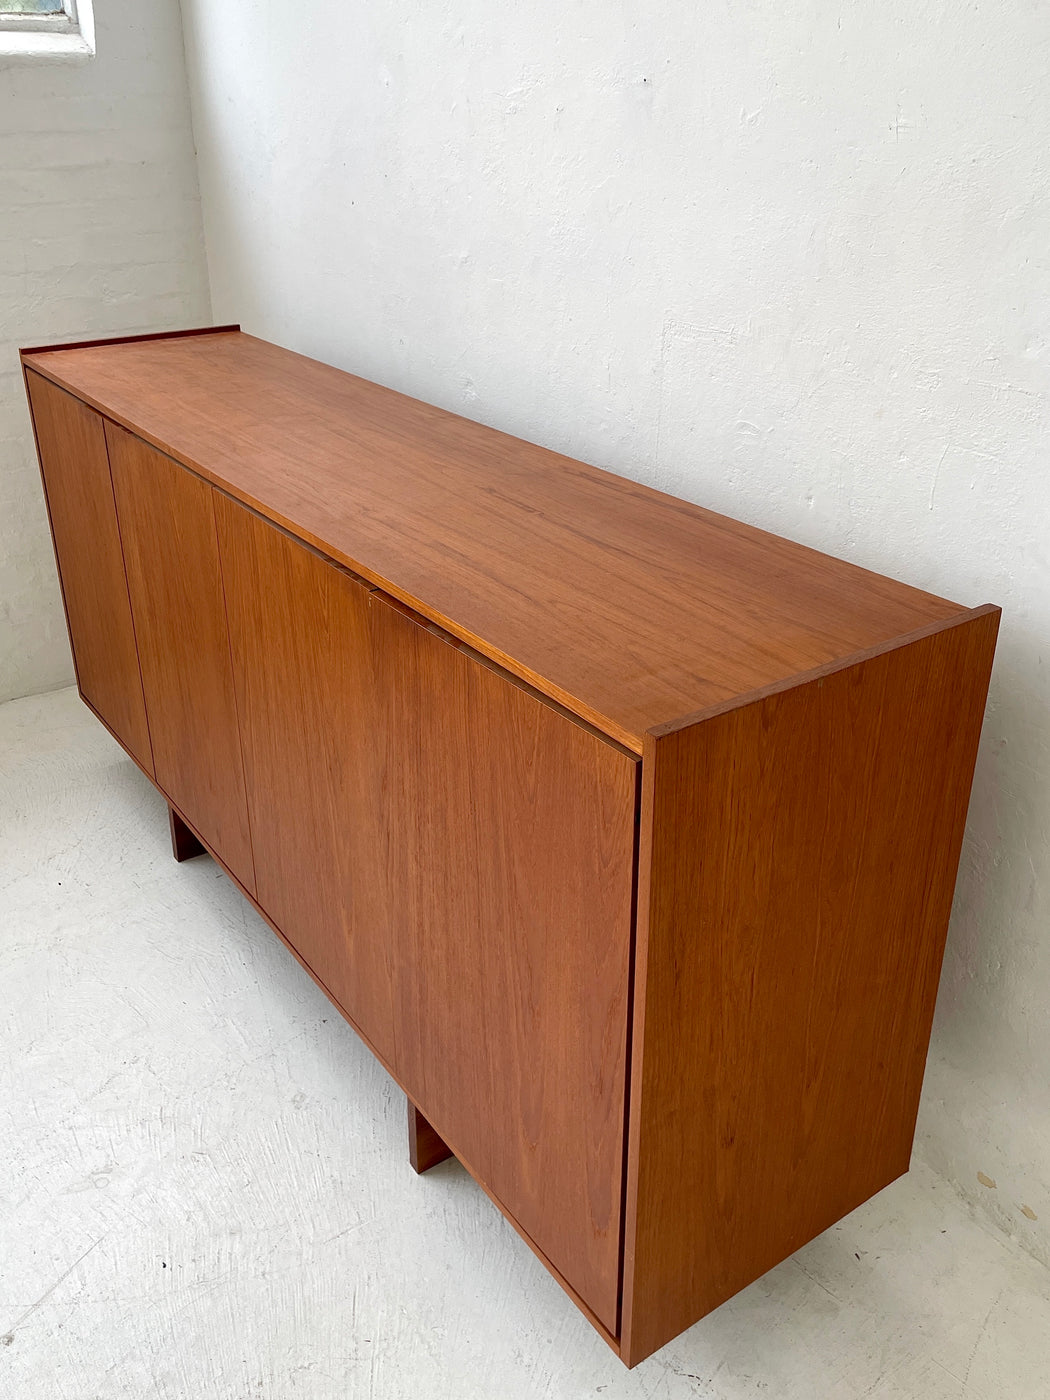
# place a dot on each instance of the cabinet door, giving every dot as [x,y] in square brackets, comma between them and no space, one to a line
[75,468]
[301,644]
[453,858]
[167,525]
[510,838]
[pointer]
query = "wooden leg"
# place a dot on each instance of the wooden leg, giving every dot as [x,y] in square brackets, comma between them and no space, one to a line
[184,845]
[425,1148]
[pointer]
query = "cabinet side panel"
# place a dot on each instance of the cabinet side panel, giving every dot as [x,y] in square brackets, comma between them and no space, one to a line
[75,468]
[798,862]
[510,851]
[167,524]
[299,633]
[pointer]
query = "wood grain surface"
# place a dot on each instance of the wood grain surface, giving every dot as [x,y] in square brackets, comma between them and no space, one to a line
[71,445]
[798,859]
[453,858]
[167,527]
[509,858]
[630,607]
[301,640]
[397,670]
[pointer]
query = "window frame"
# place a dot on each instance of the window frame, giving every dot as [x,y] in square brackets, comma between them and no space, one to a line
[62,21]
[67,34]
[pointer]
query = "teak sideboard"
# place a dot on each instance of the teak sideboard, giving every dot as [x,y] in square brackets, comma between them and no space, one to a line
[624,834]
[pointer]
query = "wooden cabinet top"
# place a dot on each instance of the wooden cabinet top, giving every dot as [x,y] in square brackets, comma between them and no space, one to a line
[631,608]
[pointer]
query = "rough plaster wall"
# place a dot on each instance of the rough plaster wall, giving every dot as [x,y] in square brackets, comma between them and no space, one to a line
[786,259]
[100,234]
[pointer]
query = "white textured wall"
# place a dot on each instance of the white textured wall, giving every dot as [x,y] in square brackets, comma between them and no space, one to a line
[100,234]
[786,259]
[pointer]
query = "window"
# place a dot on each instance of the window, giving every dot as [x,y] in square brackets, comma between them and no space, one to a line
[47,16]
[55,27]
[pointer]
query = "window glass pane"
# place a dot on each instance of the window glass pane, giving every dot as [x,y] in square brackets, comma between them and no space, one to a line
[30,7]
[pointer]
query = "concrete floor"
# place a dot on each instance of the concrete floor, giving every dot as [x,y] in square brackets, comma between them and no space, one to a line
[206,1192]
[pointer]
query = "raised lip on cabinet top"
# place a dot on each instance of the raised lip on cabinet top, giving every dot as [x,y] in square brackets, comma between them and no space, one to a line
[633,609]
[28,350]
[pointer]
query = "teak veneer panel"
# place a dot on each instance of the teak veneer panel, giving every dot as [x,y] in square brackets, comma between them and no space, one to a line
[72,448]
[798,860]
[300,636]
[453,858]
[172,557]
[511,833]
[630,607]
